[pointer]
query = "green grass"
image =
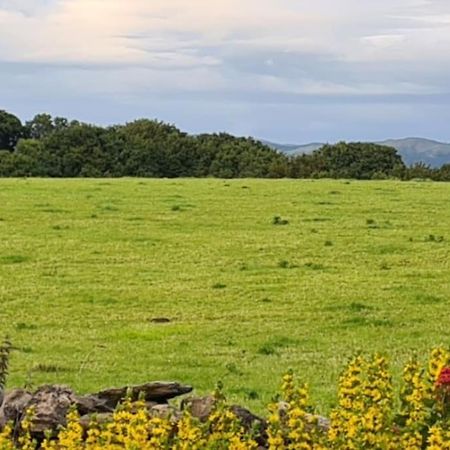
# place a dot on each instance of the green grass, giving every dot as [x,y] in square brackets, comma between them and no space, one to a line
[86,266]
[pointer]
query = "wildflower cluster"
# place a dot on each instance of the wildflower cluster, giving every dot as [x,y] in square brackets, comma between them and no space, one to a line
[289,426]
[364,413]
[367,416]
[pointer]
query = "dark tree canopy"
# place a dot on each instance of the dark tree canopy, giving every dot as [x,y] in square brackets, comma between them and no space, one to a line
[359,160]
[57,147]
[11,130]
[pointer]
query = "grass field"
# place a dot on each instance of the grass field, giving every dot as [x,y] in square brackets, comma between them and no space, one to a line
[86,265]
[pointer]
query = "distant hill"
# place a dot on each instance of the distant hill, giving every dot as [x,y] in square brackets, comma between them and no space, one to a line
[412,150]
[291,149]
[418,149]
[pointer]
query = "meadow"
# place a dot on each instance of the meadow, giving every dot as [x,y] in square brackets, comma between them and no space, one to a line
[109,282]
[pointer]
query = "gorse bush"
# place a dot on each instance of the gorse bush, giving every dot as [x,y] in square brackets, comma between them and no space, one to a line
[369,415]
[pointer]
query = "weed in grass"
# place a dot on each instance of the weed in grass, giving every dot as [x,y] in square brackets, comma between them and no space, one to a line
[328,243]
[361,321]
[54,210]
[160,320]
[233,369]
[267,349]
[219,286]
[251,394]
[282,341]
[25,349]
[60,227]
[176,208]
[272,346]
[248,393]
[13,259]
[358,307]
[277,220]
[108,208]
[428,299]
[314,266]
[385,266]
[49,368]
[22,326]
[283,264]
[434,238]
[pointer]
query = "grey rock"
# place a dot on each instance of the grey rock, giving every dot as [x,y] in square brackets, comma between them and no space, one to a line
[14,405]
[252,424]
[51,405]
[107,400]
[166,412]
[199,407]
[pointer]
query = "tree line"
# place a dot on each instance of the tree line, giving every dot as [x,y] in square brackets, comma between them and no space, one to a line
[49,146]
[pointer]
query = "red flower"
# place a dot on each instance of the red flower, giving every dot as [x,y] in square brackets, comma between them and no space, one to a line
[444,378]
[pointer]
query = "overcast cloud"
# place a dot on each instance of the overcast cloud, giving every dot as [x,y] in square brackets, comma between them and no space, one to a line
[287,70]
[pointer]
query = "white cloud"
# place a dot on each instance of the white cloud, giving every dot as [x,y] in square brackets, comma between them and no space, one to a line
[192,45]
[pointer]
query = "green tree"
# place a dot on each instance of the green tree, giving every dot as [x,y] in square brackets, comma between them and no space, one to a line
[40,126]
[11,130]
[357,160]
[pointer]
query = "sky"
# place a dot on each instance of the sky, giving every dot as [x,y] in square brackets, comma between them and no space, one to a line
[291,71]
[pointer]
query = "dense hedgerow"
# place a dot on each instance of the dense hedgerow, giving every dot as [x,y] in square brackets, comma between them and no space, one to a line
[57,147]
[368,416]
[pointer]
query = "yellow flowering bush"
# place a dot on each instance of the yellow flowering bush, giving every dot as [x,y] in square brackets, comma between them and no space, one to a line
[367,416]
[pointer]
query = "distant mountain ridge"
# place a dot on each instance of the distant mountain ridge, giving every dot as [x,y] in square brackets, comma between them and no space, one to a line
[413,150]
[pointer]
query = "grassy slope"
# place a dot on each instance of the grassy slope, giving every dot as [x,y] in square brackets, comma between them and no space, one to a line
[85,265]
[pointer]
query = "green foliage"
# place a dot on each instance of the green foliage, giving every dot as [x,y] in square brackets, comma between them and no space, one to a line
[11,130]
[144,148]
[55,147]
[357,160]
